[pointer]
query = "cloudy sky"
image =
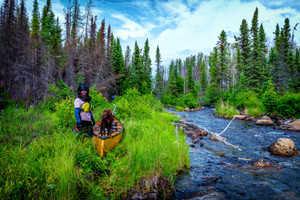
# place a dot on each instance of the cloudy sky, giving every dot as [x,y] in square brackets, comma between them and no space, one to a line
[183,27]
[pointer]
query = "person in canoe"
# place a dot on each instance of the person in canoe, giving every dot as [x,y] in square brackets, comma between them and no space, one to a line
[83,111]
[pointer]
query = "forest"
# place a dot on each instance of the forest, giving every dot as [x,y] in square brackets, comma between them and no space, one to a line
[42,65]
[36,54]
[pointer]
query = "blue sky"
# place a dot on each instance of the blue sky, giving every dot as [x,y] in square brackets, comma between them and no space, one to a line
[183,27]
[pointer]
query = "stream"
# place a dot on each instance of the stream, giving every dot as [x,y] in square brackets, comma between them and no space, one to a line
[218,171]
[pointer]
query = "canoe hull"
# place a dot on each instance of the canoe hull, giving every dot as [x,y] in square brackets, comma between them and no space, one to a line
[104,144]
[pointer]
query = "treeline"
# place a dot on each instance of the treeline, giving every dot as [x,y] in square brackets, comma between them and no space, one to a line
[248,64]
[39,53]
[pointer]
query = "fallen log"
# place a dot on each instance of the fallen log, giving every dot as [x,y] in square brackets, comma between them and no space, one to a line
[216,135]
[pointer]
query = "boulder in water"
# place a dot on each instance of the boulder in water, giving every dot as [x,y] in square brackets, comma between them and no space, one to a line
[187,109]
[240,117]
[283,147]
[293,126]
[265,121]
[261,163]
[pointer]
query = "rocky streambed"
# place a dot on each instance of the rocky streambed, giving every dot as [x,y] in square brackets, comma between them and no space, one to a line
[220,172]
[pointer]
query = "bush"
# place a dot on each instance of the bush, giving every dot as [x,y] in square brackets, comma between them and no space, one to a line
[97,99]
[179,108]
[288,105]
[134,105]
[64,115]
[190,100]
[225,110]
[56,93]
[269,99]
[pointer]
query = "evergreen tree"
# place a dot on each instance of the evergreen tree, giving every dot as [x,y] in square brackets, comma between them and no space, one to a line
[265,71]
[119,66]
[222,61]
[190,79]
[214,88]
[146,64]
[159,75]
[244,44]
[252,74]
[171,87]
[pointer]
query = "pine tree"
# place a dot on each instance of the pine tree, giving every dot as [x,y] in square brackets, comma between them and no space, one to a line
[146,64]
[265,71]
[159,75]
[222,61]
[252,72]
[190,79]
[214,88]
[119,66]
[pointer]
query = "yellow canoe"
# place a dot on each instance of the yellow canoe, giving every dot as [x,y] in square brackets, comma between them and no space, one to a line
[104,144]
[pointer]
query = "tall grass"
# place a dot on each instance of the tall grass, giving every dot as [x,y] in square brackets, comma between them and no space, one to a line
[150,148]
[41,158]
[225,110]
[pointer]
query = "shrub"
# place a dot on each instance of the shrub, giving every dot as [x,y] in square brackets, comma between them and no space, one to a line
[56,93]
[179,108]
[134,105]
[269,99]
[255,111]
[64,115]
[225,110]
[190,100]
[97,99]
[288,105]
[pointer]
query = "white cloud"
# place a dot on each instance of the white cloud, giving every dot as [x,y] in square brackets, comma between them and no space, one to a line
[198,30]
[131,29]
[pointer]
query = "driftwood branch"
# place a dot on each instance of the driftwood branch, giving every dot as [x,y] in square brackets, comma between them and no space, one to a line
[215,135]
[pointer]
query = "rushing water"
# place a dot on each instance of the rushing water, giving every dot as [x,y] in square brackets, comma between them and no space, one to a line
[218,171]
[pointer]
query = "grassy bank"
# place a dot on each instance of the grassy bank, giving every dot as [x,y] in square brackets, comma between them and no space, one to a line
[42,158]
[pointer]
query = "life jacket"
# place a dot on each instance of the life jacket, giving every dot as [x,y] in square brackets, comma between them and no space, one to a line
[87,107]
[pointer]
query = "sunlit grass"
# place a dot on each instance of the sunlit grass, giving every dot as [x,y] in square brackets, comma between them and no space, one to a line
[42,158]
[151,148]
[225,110]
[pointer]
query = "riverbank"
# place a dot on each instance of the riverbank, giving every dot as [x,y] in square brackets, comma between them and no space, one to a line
[42,158]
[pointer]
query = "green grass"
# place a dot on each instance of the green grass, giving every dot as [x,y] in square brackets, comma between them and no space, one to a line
[40,157]
[179,108]
[225,110]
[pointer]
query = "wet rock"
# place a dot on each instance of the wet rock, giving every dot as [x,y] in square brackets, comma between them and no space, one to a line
[283,147]
[187,109]
[261,163]
[201,144]
[265,121]
[221,154]
[212,138]
[289,195]
[211,196]
[156,187]
[240,117]
[199,133]
[293,126]
[189,133]
[249,119]
[195,141]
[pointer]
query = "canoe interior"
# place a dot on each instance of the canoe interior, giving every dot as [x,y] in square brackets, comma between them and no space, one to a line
[104,143]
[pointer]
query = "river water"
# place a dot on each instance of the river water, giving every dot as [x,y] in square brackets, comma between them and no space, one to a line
[218,171]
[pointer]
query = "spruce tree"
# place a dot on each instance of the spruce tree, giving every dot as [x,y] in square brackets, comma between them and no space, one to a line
[265,71]
[158,90]
[222,61]
[252,74]
[146,64]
